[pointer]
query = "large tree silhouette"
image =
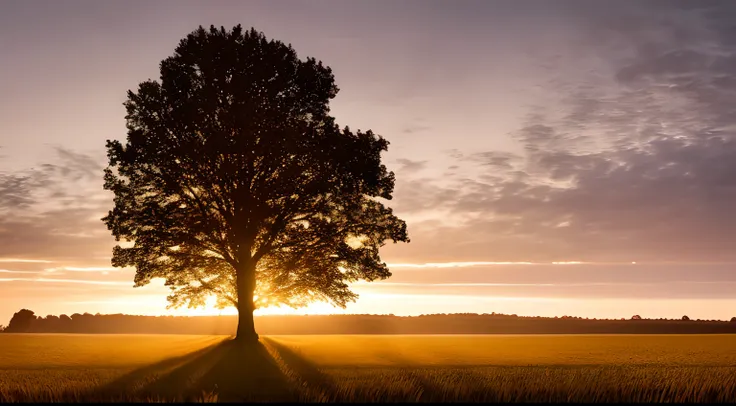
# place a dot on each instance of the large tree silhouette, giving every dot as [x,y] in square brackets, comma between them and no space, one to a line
[235,181]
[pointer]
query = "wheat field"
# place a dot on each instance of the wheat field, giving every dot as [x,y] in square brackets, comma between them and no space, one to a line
[369,368]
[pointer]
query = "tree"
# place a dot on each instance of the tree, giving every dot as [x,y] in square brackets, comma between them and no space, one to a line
[21,321]
[733,319]
[235,181]
[636,317]
[685,318]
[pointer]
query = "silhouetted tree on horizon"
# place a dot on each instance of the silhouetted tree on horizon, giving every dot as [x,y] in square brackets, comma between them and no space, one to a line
[636,317]
[21,321]
[450,323]
[685,318]
[235,181]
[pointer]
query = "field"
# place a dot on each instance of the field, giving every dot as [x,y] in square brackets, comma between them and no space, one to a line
[609,368]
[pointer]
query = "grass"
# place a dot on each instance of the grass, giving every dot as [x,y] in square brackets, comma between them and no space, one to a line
[515,350]
[66,366]
[580,368]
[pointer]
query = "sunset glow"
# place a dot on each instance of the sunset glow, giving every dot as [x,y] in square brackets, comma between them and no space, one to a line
[552,159]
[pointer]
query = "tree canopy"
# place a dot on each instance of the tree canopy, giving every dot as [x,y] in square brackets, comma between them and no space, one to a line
[234,180]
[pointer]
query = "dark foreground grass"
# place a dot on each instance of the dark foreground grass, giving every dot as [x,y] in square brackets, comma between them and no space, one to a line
[370,369]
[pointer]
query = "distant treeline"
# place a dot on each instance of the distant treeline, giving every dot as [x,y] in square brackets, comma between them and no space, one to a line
[25,321]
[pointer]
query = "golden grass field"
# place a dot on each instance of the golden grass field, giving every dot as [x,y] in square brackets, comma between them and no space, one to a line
[609,368]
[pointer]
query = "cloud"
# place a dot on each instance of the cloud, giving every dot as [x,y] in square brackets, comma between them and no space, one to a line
[496,160]
[413,129]
[408,166]
[52,212]
[83,269]
[20,260]
[478,284]
[18,272]
[76,165]
[619,290]
[455,264]
[16,189]
[591,281]
[65,281]
[631,157]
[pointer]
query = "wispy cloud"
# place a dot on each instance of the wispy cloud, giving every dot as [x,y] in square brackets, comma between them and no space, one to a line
[560,284]
[477,263]
[681,289]
[78,281]
[629,156]
[407,166]
[29,261]
[83,269]
[478,284]
[18,272]
[51,213]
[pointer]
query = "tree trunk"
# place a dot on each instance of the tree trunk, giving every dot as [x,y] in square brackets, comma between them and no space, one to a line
[246,280]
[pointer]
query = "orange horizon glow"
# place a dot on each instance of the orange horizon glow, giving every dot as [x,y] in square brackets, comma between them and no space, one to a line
[580,166]
[421,288]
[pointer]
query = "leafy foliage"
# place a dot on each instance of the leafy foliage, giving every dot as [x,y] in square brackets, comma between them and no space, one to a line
[235,179]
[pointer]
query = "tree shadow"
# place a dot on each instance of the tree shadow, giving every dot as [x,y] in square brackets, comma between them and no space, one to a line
[320,387]
[245,372]
[183,382]
[231,370]
[130,384]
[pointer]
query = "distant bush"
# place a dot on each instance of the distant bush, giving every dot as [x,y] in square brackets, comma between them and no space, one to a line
[685,318]
[636,317]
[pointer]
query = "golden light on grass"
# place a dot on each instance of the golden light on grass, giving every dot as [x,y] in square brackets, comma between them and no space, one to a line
[588,368]
[514,350]
[116,351]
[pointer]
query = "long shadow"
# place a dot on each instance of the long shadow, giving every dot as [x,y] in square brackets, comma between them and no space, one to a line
[129,384]
[184,382]
[430,391]
[245,373]
[310,375]
[234,371]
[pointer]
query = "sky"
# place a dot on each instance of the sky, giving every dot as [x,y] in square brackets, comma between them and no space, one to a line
[552,157]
